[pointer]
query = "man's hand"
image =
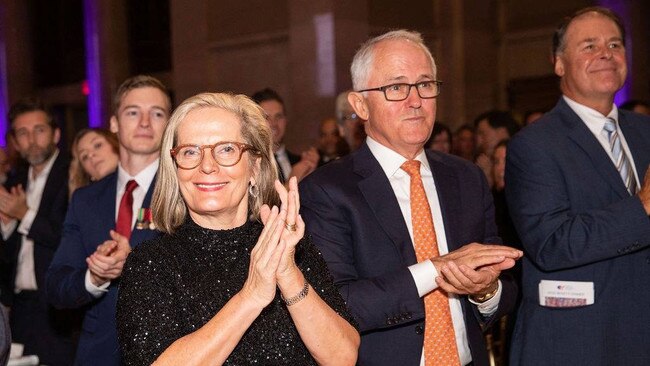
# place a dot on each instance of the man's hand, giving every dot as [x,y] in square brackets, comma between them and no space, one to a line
[474,268]
[5,218]
[466,281]
[107,262]
[13,203]
[307,164]
[477,255]
[644,193]
[485,163]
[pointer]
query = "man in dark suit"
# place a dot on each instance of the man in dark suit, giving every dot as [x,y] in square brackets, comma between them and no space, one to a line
[32,206]
[289,164]
[366,214]
[578,189]
[97,238]
[491,128]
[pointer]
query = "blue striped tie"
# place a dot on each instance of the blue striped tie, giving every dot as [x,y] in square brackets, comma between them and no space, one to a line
[620,158]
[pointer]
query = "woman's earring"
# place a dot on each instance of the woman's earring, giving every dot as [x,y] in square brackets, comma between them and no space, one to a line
[253,190]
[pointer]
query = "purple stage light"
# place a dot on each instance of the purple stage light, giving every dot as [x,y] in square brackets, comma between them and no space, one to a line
[621,8]
[4,123]
[93,77]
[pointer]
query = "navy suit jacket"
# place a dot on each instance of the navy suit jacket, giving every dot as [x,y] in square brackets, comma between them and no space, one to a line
[578,223]
[355,220]
[5,338]
[90,217]
[46,227]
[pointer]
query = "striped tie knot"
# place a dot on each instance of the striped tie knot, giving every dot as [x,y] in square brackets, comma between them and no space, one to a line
[610,126]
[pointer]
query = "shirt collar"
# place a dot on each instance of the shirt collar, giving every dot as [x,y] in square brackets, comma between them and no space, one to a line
[281,150]
[390,161]
[591,116]
[143,178]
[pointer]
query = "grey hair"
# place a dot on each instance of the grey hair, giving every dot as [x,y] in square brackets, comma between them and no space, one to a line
[363,59]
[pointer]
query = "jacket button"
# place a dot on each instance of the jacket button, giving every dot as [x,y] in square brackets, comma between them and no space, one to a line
[419,329]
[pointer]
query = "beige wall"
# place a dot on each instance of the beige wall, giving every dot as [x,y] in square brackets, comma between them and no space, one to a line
[490,54]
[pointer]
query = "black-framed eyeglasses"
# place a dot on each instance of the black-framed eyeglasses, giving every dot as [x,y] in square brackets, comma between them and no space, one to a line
[427,89]
[226,153]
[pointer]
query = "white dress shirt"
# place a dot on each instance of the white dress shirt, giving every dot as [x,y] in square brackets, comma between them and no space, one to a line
[595,121]
[144,179]
[424,273]
[283,161]
[25,275]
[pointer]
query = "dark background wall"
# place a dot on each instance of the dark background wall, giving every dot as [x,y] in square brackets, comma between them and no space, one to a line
[490,54]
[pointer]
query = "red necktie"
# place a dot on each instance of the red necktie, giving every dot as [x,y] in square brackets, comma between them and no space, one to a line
[125,213]
[439,338]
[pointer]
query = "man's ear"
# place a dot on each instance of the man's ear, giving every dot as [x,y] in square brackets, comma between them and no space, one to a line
[57,135]
[558,65]
[358,103]
[114,125]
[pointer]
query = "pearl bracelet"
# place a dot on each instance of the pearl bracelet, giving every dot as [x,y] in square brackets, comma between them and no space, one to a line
[301,295]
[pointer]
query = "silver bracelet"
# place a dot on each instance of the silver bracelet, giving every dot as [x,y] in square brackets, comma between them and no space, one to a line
[301,295]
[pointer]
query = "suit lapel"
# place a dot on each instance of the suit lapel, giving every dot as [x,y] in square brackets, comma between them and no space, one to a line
[19,178]
[638,143]
[56,181]
[105,216]
[379,196]
[586,141]
[446,183]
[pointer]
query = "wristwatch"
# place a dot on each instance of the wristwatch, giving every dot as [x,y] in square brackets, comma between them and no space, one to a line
[485,297]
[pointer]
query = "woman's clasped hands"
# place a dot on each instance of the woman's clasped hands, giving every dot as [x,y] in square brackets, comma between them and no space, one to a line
[272,262]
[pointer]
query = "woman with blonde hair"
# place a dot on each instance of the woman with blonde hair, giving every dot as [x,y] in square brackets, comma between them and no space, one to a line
[206,292]
[95,154]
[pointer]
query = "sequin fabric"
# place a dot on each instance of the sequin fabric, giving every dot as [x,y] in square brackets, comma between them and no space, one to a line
[173,285]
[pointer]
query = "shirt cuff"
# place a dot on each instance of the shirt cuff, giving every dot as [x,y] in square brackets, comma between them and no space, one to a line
[489,307]
[424,274]
[95,290]
[8,228]
[26,222]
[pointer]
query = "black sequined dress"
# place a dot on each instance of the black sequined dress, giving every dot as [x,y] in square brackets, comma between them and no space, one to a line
[173,285]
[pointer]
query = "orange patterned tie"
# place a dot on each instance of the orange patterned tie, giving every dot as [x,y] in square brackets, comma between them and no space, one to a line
[439,339]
